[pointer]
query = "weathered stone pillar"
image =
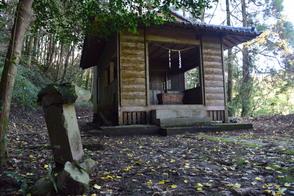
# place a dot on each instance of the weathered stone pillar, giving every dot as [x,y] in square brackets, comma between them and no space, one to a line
[64,134]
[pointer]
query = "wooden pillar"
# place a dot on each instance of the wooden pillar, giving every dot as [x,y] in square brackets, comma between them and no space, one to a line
[224,81]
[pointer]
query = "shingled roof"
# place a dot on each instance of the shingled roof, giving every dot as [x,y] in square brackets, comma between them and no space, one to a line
[232,36]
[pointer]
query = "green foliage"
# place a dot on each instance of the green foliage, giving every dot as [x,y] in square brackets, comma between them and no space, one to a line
[24,92]
[273,8]
[192,79]
[66,91]
[270,96]
[51,177]
[21,181]
[34,76]
[288,32]
[71,19]
[28,83]
[61,18]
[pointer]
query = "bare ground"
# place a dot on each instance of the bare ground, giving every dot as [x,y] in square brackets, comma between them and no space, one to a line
[259,162]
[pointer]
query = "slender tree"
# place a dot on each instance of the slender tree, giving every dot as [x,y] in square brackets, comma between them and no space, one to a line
[229,60]
[21,23]
[29,50]
[66,62]
[246,77]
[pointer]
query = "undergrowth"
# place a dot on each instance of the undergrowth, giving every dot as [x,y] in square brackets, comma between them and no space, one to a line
[28,83]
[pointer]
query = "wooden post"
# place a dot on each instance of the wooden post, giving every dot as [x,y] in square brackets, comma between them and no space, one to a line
[202,82]
[224,81]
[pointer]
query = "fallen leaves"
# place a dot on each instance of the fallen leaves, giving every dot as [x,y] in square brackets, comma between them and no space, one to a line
[234,186]
[149,183]
[184,164]
[199,187]
[96,186]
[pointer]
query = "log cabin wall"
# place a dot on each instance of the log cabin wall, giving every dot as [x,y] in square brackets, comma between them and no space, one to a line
[133,92]
[106,85]
[214,89]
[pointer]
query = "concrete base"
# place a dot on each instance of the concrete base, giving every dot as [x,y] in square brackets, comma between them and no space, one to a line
[206,128]
[131,130]
[127,130]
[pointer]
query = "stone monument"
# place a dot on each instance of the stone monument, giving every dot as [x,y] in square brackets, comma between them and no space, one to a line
[64,134]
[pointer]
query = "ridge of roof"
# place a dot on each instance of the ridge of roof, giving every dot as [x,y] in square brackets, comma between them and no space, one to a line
[217,28]
[187,22]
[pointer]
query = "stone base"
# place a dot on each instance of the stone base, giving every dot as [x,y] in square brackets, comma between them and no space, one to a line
[128,130]
[206,128]
[183,122]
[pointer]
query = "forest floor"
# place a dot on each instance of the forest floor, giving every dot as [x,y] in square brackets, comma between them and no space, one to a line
[217,163]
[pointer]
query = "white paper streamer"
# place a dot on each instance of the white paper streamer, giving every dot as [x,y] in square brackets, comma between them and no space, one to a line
[169,59]
[180,59]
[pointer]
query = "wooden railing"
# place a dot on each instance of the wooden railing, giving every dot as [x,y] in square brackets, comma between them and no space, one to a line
[134,117]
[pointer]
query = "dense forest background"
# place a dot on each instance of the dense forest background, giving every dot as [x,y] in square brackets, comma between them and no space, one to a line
[260,74]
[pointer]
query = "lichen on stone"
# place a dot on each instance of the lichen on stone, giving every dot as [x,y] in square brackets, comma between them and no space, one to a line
[66,91]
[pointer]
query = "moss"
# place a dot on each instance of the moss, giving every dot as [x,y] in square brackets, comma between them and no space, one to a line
[3,141]
[66,91]
[288,151]
[240,162]
[287,179]
[228,140]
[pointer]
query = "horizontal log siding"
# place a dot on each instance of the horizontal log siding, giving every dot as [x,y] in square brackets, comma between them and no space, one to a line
[213,73]
[132,70]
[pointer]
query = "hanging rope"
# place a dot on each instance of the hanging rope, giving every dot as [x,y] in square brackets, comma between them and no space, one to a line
[175,50]
[179,51]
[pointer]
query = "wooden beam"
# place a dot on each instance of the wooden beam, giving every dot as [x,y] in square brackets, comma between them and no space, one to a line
[174,40]
[166,107]
[201,74]
[147,71]
[119,82]
[224,81]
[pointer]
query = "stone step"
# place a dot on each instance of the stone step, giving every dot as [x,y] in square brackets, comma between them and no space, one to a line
[194,114]
[183,122]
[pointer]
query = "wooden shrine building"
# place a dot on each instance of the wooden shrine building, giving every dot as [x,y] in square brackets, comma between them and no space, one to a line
[166,75]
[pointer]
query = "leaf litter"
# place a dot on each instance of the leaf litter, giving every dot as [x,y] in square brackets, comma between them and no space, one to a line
[258,162]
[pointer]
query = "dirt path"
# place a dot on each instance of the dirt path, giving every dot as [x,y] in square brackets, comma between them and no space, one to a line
[225,163]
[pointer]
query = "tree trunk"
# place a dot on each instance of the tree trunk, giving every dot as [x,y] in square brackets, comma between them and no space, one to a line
[30,51]
[246,78]
[202,16]
[229,62]
[87,79]
[21,22]
[35,48]
[60,61]
[66,63]
[50,52]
